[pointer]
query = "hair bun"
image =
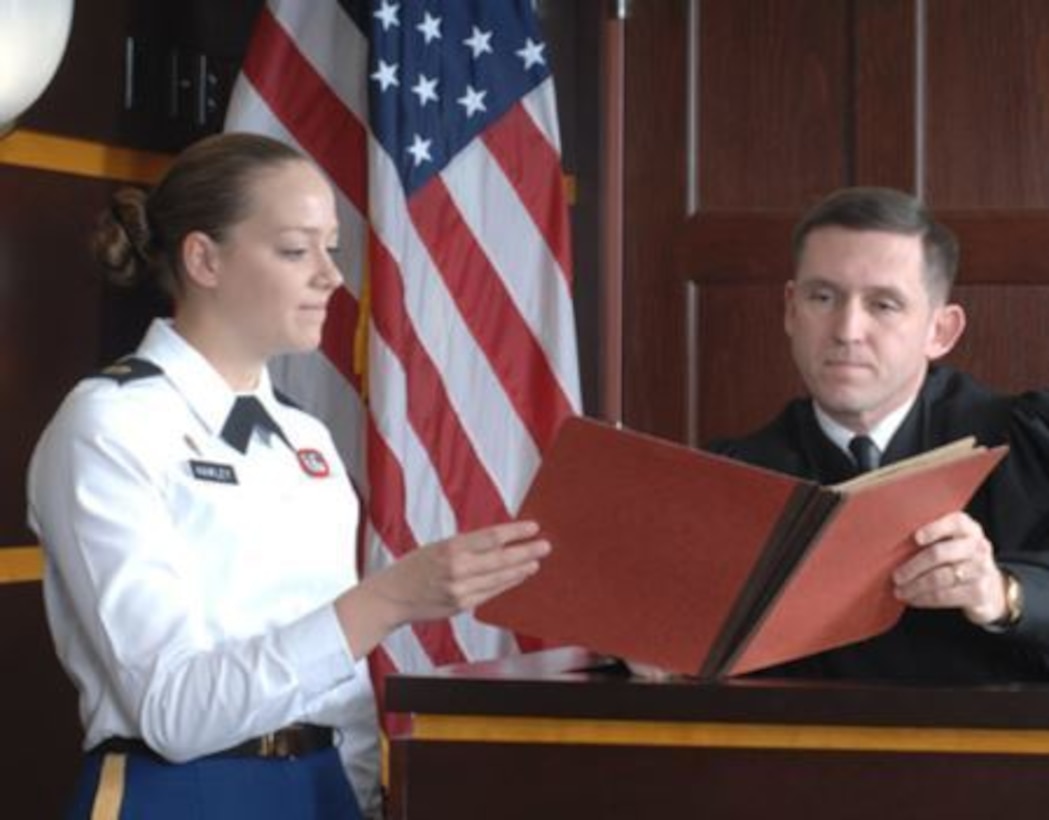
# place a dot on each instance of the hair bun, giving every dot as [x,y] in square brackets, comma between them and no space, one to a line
[122,241]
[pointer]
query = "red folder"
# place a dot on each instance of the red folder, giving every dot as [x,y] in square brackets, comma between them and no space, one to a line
[703,565]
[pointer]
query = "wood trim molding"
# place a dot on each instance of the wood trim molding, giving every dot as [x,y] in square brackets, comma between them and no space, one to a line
[20,564]
[495,729]
[46,152]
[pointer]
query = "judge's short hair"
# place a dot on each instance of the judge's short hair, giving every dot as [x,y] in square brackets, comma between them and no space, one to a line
[892,211]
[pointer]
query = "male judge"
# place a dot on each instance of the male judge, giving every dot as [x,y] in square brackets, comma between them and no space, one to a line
[867,312]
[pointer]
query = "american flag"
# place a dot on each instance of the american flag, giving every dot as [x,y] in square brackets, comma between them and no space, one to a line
[436,122]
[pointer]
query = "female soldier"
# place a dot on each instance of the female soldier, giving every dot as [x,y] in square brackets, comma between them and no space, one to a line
[199,530]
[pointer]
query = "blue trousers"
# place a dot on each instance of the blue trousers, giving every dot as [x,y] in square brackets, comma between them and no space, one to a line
[143,787]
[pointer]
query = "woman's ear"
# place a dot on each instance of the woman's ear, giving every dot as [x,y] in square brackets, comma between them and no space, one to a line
[948,326]
[200,259]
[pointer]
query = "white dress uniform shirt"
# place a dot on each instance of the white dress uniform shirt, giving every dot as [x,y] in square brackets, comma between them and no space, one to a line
[189,586]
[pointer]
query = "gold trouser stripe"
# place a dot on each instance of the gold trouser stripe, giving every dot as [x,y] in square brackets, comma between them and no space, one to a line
[33,149]
[21,564]
[491,729]
[110,793]
[384,760]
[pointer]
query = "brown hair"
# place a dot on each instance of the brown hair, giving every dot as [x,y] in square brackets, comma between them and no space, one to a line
[886,209]
[140,235]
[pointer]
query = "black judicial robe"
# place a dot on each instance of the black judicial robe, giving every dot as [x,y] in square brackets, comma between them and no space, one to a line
[941,646]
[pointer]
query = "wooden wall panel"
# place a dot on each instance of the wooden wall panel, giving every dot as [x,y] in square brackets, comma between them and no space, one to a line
[986,118]
[884,95]
[49,315]
[734,389]
[1006,343]
[38,710]
[772,100]
[653,208]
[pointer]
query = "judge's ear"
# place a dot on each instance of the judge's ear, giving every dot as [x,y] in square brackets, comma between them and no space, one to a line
[200,259]
[947,327]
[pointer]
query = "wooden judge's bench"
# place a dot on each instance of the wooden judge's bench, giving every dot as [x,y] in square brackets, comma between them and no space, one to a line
[566,734]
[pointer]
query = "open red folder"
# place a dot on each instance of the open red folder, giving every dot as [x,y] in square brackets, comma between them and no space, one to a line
[703,565]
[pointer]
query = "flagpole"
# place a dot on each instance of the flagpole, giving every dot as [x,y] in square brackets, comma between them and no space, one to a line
[611,324]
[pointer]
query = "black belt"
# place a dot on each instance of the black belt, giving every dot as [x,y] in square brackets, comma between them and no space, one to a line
[294,741]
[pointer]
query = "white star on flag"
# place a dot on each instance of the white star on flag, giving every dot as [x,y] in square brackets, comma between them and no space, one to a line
[425,89]
[430,27]
[386,75]
[532,53]
[387,14]
[472,101]
[479,42]
[420,150]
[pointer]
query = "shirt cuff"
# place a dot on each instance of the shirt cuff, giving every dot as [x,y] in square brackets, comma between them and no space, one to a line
[316,647]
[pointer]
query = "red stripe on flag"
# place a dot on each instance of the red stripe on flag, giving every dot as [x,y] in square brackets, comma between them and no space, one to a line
[386,509]
[380,665]
[533,165]
[340,329]
[386,513]
[468,486]
[439,639]
[489,311]
[300,98]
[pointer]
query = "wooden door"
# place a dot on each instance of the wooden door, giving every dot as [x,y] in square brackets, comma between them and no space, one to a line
[740,114]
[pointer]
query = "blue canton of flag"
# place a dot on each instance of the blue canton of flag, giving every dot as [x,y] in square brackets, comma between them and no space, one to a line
[441,72]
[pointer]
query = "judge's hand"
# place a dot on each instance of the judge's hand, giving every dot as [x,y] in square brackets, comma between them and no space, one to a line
[953,568]
[440,580]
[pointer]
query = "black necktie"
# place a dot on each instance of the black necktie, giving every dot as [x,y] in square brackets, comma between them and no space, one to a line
[865,452]
[247,414]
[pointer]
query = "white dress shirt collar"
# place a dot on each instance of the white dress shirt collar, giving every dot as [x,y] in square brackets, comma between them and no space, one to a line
[199,383]
[881,434]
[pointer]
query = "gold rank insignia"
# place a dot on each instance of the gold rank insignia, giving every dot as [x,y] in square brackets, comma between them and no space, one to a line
[129,369]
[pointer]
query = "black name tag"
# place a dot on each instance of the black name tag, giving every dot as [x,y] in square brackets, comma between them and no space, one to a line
[210,471]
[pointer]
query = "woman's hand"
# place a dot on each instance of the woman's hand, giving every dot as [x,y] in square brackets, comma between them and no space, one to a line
[440,580]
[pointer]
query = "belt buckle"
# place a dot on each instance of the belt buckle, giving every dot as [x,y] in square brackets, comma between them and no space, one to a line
[275,744]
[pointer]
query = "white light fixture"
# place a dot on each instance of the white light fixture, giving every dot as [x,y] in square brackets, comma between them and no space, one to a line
[33,36]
